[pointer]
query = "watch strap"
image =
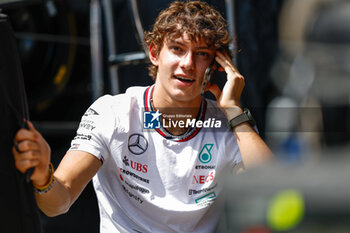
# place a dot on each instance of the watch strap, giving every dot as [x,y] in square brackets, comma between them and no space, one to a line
[245,116]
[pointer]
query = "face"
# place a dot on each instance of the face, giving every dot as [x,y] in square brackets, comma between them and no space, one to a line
[181,67]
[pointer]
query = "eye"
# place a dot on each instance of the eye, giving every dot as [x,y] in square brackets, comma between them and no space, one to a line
[176,48]
[205,54]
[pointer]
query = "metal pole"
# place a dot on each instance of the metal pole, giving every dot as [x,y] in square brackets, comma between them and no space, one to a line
[96,49]
[230,12]
[137,24]
[111,45]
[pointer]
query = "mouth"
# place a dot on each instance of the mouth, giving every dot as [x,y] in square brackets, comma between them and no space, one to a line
[184,79]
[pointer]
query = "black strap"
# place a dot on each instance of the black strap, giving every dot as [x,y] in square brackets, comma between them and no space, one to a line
[19,212]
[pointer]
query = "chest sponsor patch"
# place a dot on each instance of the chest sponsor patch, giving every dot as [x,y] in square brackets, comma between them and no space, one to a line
[137,144]
[135,165]
[133,175]
[136,187]
[206,200]
[205,155]
[203,179]
[199,191]
[131,195]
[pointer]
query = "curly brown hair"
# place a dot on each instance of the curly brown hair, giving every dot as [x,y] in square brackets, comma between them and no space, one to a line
[195,18]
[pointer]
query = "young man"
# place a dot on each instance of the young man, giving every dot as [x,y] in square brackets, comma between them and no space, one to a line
[163,179]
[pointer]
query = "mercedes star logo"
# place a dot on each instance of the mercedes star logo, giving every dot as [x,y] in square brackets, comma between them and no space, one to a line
[137,144]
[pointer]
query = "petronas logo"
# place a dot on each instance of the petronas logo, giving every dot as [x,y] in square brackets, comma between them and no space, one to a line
[205,155]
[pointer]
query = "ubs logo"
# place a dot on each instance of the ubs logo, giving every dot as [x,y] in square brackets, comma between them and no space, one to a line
[135,165]
[137,144]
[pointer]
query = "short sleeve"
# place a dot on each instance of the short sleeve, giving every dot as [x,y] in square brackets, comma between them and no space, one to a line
[96,128]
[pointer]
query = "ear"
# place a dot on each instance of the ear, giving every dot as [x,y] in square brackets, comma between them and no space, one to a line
[153,55]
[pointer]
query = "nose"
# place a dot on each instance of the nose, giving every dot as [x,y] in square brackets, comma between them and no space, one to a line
[187,62]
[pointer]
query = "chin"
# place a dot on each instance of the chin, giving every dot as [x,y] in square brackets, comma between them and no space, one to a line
[182,95]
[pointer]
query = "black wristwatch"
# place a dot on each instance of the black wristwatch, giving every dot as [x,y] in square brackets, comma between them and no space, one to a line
[246,116]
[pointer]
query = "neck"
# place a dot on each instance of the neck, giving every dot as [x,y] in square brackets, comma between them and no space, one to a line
[170,106]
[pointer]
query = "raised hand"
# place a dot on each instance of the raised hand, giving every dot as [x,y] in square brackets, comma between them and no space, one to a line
[229,98]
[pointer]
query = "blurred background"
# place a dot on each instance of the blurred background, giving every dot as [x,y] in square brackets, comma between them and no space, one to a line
[294,55]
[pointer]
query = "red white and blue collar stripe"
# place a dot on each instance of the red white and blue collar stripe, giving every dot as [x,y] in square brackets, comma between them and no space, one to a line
[190,133]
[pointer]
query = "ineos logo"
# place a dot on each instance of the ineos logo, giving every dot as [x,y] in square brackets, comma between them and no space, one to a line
[137,144]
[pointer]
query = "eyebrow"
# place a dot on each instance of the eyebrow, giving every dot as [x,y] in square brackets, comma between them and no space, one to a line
[182,44]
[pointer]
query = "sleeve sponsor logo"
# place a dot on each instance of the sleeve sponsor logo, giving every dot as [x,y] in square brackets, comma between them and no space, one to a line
[90,112]
[82,137]
[87,126]
[102,159]
[74,146]
[87,121]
